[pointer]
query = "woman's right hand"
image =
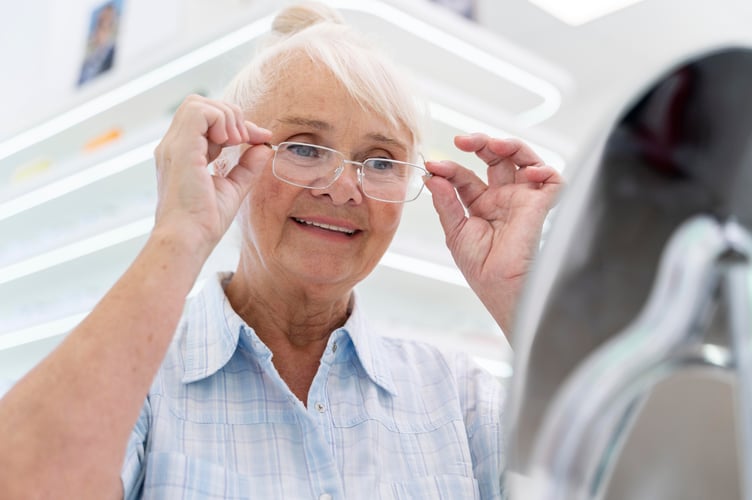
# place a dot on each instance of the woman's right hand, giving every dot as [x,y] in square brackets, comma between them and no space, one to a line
[194,203]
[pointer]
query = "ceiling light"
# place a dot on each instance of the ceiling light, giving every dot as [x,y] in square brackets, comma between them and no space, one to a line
[440,38]
[578,12]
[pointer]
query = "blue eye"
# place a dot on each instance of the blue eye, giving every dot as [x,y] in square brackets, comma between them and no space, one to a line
[304,150]
[380,164]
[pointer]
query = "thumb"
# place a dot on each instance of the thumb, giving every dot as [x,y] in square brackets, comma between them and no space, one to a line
[447,205]
[538,174]
[252,161]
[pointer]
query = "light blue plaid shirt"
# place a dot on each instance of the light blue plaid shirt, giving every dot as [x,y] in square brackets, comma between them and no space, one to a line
[386,418]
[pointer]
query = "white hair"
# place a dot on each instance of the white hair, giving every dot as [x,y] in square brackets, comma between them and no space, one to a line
[320,33]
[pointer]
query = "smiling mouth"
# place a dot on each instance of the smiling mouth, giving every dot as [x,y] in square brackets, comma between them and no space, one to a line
[328,227]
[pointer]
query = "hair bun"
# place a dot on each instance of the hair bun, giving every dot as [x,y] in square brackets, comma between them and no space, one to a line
[298,17]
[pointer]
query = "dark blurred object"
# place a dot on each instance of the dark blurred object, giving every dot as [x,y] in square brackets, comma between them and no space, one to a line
[677,168]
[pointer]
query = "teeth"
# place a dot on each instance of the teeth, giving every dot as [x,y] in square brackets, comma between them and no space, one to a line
[326,226]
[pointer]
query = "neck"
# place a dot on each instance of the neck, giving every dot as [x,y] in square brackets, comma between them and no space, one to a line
[283,314]
[293,322]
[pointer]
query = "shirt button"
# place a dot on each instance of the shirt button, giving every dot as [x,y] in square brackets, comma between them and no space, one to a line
[321,408]
[325,496]
[334,347]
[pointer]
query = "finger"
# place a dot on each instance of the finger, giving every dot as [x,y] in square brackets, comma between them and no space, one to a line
[500,169]
[231,156]
[475,143]
[445,202]
[199,115]
[216,125]
[225,123]
[546,179]
[468,185]
[239,121]
[544,174]
[517,151]
[243,173]
[503,156]
[232,125]
[493,150]
[256,134]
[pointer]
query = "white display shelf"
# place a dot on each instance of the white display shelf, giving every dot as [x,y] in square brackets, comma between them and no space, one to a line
[96,208]
[67,288]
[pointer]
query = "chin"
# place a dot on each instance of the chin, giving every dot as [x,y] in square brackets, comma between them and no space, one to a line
[322,274]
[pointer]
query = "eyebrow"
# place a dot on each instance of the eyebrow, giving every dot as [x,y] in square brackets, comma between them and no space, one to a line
[306,122]
[387,140]
[326,126]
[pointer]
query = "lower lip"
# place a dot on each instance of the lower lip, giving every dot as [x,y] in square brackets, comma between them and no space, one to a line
[326,233]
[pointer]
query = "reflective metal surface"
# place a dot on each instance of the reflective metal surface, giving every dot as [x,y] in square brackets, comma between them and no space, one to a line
[649,240]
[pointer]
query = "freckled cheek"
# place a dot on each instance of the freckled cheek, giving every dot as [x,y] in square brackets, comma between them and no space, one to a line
[261,199]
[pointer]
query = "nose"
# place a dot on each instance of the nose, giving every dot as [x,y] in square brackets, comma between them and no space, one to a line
[346,186]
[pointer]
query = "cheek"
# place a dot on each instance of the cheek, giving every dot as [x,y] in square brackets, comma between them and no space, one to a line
[266,192]
[263,207]
[387,218]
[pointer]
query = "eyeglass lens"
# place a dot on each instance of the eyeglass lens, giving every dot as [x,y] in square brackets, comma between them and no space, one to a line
[311,166]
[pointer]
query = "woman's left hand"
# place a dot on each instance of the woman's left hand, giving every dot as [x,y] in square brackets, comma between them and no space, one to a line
[493,230]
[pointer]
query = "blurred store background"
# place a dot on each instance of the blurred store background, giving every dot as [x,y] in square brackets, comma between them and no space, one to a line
[89,87]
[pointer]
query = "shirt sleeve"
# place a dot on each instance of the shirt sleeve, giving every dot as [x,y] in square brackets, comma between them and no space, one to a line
[132,473]
[484,399]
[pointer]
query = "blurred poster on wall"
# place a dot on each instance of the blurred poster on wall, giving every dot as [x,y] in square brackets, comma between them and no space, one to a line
[101,40]
[465,8]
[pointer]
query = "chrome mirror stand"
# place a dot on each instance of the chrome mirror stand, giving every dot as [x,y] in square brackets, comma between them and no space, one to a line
[584,427]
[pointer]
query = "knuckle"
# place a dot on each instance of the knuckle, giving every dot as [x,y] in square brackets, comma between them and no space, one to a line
[194,98]
[189,102]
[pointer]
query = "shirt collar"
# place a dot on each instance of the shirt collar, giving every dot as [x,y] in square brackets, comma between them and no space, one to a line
[369,348]
[212,330]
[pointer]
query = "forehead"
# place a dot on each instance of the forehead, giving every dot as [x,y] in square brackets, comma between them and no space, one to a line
[309,92]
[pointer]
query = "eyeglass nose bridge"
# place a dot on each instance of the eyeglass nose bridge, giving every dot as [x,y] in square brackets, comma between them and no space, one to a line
[341,168]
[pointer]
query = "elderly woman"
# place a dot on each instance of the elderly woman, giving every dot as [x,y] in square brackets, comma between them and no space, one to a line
[273,384]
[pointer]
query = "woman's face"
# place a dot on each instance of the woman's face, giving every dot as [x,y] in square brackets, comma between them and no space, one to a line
[330,236]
